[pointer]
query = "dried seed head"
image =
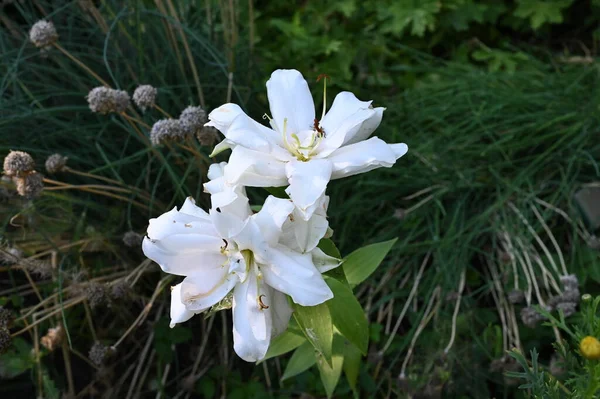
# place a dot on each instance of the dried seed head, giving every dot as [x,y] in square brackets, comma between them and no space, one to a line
[105,100]
[53,338]
[5,339]
[166,129]
[18,163]
[96,294]
[572,296]
[119,289]
[207,136]
[10,256]
[98,353]
[30,186]
[569,282]
[192,119]
[39,268]
[144,97]
[530,317]
[132,239]
[5,317]
[43,34]
[516,297]
[56,163]
[568,308]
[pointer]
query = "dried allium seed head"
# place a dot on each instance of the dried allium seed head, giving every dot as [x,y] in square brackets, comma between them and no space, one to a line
[132,239]
[30,186]
[43,34]
[56,163]
[573,296]
[5,317]
[165,129]
[18,163]
[119,289]
[105,100]
[192,119]
[144,97]
[53,338]
[568,308]
[530,317]
[516,296]
[96,294]
[39,268]
[207,136]
[570,282]
[5,339]
[10,255]
[98,353]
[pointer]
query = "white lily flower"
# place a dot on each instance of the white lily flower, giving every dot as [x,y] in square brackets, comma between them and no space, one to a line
[231,249]
[299,150]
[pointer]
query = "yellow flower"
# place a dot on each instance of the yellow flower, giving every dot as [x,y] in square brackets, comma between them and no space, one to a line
[590,348]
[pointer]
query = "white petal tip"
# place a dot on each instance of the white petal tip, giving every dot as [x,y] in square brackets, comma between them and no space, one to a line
[399,149]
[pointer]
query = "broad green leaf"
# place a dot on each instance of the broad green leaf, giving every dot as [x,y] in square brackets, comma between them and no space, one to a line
[361,263]
[352,359]
[330,374]
[316,324]
[347,314]
[283,343]
[302,359]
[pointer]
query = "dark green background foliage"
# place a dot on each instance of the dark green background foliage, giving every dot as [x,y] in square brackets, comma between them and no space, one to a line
[497,101]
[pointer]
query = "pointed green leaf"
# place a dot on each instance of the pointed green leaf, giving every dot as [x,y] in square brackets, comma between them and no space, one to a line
[352,359]
[315,322]
[283,343]
[330,374]
[361,263]
[302,359]
[327,245]
[347,314]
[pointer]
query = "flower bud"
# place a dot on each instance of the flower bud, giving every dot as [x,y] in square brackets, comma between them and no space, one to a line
[55,163]
[104,100]
[43,34]
[18,163]
[144,97]
[590,348]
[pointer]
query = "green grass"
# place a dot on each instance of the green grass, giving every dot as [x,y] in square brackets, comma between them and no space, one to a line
[486,151]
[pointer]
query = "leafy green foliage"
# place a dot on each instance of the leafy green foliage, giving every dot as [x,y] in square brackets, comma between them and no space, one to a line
[360,264]
[317,326]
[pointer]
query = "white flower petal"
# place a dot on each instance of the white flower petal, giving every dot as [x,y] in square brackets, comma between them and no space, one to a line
[176,222]
[304,235]
[324,262]
[205,288]
[179,313]
[290,98]
[308,181]
[182,262]
[189,207]
[227,224]
[272,216]
[366,128]
[344,120]
[240,129]
[254,169]
[365,156]
[224,196]
[295,275]
[252,323]
[222,146]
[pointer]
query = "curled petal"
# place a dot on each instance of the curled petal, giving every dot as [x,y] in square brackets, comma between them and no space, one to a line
[324,262]
[179,313]
[229,198]
[365,156]
[271,217]
[290,98]
[308,181]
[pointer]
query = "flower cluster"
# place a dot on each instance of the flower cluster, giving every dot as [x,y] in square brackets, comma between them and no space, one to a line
[252,262]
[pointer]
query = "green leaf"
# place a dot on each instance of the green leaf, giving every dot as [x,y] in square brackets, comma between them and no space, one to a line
[278,192]
[330,373]
[302,359]
[284,343]
[347,315]
[361,263]
[315,322]
[540,12]
[352,358]
[327,245]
